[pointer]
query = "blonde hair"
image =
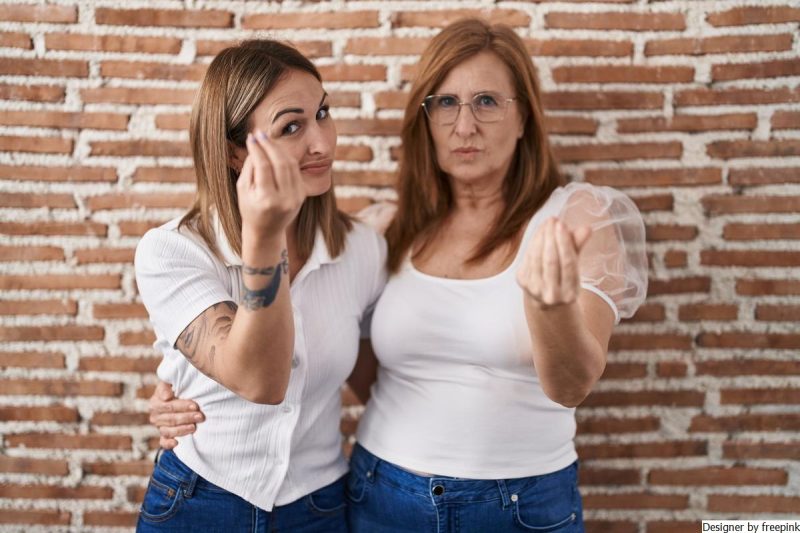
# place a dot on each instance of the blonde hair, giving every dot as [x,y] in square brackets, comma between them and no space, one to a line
[424,194]
[236,82]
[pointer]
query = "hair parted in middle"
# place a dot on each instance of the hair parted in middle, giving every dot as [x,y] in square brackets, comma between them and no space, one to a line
[424,194]
[236,82]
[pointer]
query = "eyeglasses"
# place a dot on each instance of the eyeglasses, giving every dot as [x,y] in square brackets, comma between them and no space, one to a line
[443,109]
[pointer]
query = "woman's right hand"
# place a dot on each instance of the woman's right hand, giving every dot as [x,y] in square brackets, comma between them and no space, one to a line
[172,416]
[270,188]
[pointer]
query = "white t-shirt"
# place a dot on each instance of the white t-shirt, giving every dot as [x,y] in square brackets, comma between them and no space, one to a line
[457,393]
[267,454]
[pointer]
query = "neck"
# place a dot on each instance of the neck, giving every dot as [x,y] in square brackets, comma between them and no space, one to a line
[483,197]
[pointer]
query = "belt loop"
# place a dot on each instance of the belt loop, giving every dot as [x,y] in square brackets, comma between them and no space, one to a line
[373,467]
[188,492]
[158,454]
[501,486]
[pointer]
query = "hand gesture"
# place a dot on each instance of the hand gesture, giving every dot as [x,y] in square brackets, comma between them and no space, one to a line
[270,188]
[173,417]
[549,273]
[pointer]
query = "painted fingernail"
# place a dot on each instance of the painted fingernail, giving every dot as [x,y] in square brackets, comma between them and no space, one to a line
[262,135]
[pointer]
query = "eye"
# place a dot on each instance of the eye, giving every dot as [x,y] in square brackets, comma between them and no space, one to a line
[445,101]
[486,100]
[290,129]
[324,112]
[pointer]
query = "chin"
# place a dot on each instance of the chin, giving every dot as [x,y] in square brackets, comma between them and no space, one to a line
[317,185]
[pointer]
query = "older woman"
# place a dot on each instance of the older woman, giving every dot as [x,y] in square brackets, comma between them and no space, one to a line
[504,288]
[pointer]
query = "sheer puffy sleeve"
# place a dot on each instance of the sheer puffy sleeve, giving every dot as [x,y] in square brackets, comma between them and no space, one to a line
[613,263]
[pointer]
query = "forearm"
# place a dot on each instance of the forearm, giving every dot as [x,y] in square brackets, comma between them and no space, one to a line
[568,358]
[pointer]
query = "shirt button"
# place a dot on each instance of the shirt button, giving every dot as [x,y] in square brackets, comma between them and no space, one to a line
[438,490]
[295,362]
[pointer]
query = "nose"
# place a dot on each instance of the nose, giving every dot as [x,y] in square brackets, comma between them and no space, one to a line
[465,124]
[321,140]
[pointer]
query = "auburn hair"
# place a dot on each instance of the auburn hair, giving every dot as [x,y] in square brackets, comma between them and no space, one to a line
[425,197]
[236,82]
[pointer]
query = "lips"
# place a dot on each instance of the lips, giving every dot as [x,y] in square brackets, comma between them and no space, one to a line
[466,150]
[317,167]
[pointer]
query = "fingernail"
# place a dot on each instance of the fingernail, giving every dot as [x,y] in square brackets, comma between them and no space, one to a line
[262,135]
[192,407]
[198,417]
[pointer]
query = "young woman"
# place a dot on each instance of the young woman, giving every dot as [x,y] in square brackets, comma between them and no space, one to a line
[263,358]
[504,288]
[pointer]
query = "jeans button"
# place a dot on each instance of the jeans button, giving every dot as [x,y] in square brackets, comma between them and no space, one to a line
[438,490]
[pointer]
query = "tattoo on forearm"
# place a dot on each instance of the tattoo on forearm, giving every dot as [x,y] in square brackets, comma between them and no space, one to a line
[254,299]
[200,339]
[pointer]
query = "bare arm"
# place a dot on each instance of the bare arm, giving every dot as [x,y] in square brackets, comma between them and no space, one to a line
[365,371]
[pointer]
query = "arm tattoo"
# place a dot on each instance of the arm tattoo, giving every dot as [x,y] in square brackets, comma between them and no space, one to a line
[254,299]
[200,339]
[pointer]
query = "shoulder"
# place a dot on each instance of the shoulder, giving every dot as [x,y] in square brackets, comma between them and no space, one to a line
[364,243]
[168,243]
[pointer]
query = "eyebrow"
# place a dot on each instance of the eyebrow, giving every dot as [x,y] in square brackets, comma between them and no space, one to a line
[298,110]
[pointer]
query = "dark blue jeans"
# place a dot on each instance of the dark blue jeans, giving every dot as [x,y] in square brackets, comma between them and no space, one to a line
[386,498]
[177,499]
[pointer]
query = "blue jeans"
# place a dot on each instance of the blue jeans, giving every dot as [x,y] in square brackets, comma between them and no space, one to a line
[177,499]
[386,498]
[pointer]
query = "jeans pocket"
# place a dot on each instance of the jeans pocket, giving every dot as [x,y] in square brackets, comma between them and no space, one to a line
[328,500]
[163,496]
[551,503]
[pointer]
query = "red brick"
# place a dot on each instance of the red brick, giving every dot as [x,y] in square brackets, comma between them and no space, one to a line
[757,287]
[579,48]
[135,200]
[663,341]
[645,177]
[29,465]
[648,313]
[43,517]
[137,227]
[142,365]
[664,449]
[775,341]
[60,387]
[690,123]
[140,147]
[391,99]
[375,178]
[36,93]
[638,500]
[345,99]
[763,176]
[172,121]
[761,450]
[670,232]
[144,393]
[120,419]
[441,18]
[33,200]
[749,258]
[746,16]
[615,425]
[16,40]
[704,311]
[724,44]
[55,492]
[353,204]
[119,468]
[51,333]
[59,68]
[328,20]
[60,282]
[349,72]
[778,313]
[607,526]
[786,120]
[38,307]
[118,311]
[746,422]
[40,13]
[136,338]
[32,360]
[747,367]
[137,95]
[63,119]
[569,125]
[179,18]
[623,74]
[152,71]
[386,46]
[718,476]
[624,371]
[73,173]
[657,287]
[609,476]
[760,396]
[164,175]
[310,49]
[672,398]
[351,152]
[752,504]
[753,232]
[616,20]
[105,255]
[110,518]
[36,145]
[601,100]
[372,127]
[92,441]
[671,369]
[672,526]
[136,494]
[708,97]
[31,253]
[94,229]
[654,202]
[618,151]
[734,204]
[762,69]
[675,258]
[112,43]
[54,413]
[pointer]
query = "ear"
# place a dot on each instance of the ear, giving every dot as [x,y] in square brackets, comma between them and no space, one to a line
[237,157]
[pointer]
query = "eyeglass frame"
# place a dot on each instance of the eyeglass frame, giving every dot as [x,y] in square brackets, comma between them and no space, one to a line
[470,103]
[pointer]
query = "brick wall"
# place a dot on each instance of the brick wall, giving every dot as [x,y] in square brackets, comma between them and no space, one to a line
[690,106]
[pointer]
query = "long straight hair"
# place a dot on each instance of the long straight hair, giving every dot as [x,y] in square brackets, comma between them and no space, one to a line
[425,197]
[236,82]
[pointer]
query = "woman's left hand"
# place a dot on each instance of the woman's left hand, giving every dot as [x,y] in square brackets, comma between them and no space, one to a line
[549,274]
